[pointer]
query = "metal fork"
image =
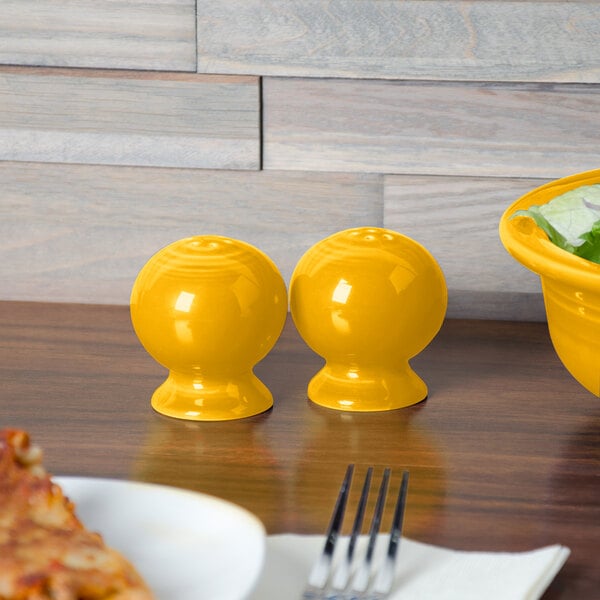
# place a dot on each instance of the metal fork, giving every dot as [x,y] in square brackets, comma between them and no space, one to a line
[346,583]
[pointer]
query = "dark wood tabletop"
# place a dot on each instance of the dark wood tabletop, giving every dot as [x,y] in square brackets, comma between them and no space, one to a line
[504,455]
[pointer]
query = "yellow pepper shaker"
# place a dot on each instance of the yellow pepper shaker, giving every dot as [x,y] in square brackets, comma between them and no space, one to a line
[367,300]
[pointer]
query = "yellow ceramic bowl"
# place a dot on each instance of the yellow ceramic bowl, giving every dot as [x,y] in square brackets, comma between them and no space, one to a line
[570,284]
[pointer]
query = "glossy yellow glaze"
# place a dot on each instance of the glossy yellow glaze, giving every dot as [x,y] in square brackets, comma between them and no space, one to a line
[367,300]
[570,284]
[208,308]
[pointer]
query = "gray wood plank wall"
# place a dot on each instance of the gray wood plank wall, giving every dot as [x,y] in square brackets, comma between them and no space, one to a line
[441,40]
[473,129]
[129,118]
[127,124]
[108,34]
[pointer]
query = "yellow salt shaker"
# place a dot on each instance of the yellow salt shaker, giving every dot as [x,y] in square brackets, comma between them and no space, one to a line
[209,308]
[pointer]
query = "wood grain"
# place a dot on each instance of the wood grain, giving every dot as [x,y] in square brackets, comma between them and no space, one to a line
[495,130]
[81,233]
[503,455]
[456,219]
[131,118]
[109,34]
[419,39]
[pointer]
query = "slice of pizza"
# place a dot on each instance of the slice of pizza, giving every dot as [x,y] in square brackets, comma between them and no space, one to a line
[45,550]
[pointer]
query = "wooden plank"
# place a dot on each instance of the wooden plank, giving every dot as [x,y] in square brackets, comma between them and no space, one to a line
[112,34]
[398,39]
[80,233]
[502,130]
[129,117]
[456,219]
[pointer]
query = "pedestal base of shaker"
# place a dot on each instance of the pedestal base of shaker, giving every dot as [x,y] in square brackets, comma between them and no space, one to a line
[366,390]
[193,399]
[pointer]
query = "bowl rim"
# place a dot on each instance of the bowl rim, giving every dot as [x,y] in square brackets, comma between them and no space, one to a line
[529,244]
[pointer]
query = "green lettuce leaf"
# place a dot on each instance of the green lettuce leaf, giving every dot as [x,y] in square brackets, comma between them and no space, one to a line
[590,249]
[571,221]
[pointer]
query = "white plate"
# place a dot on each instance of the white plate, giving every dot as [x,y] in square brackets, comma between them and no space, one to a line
[186,545]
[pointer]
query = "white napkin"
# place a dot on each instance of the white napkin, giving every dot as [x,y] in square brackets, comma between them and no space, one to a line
[423,572]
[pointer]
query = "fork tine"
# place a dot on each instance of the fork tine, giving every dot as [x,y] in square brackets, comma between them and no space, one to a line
[385,577]
[322,568]
[361,579]
[342,575]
